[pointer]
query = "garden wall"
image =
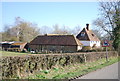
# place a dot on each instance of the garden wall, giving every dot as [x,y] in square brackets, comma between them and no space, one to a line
[20,66]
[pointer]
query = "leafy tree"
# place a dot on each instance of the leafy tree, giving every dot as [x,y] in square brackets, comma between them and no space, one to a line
[116,30]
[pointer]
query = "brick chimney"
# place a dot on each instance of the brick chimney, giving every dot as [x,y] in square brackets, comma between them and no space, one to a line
[87,26]
[45,34]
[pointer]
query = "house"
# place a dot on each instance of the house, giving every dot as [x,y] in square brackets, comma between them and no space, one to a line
[55,43]
[88,38]
[18,46]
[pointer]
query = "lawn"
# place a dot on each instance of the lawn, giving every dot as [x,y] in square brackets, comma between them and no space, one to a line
[7,53]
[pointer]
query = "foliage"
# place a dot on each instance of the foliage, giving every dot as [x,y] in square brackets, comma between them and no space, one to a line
[40,76]
[72,71]
[106,20]
[108,48]
[20,66]
[116,32]
[25,31]
[46,71]
[86,48]
[109,21]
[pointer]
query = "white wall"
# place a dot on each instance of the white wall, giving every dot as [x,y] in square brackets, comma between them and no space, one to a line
[85,43]
[95,42]
[90,43]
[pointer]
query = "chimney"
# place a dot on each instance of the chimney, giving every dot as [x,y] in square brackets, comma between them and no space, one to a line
[45,34]
[87,26]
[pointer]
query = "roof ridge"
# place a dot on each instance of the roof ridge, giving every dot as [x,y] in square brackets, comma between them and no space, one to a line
[55,35]
[56,40]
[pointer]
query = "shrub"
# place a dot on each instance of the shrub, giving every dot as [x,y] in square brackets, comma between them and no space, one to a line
[97,49]
[46,71]
[86,49]
[90,49]
[108,48]
[40,76]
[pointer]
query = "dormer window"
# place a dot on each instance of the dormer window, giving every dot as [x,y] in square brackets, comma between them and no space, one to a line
[83,34]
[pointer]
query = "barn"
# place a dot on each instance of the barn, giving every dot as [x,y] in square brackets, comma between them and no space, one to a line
[55,43]
[4,46]
[18,46]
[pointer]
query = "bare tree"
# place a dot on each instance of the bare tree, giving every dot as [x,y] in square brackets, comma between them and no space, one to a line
[110,21]
[21,31]
[106,20]
[98,33]
[45,30]
[76,30]
[62,30]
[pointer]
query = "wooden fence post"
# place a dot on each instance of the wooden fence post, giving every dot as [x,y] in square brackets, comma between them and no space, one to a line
[85,57]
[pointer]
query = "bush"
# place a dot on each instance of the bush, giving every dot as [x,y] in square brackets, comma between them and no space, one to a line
[108,48]
[97,49]
[90,49]
[86,49]
[40,76]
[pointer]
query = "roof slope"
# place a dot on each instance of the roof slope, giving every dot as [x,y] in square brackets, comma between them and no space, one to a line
[88,35]
[55,40]
[18,43]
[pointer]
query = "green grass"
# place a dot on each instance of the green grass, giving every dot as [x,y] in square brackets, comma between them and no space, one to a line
[7,53]
[71,71]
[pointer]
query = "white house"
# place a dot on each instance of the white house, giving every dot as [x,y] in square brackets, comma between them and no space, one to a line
[88,38]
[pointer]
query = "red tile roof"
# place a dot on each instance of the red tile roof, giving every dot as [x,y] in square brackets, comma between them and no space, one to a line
[88,35]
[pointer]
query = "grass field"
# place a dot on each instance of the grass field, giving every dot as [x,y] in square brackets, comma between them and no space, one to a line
[7,53]
[71,71]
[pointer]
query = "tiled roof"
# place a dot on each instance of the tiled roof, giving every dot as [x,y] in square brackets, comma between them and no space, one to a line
[55,40]
[88,35]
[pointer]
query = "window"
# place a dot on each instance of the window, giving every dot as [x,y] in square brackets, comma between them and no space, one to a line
[83,34]
[93,35]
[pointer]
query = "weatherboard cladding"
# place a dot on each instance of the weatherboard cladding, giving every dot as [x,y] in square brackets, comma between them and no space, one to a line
[89,35]
[62,40]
